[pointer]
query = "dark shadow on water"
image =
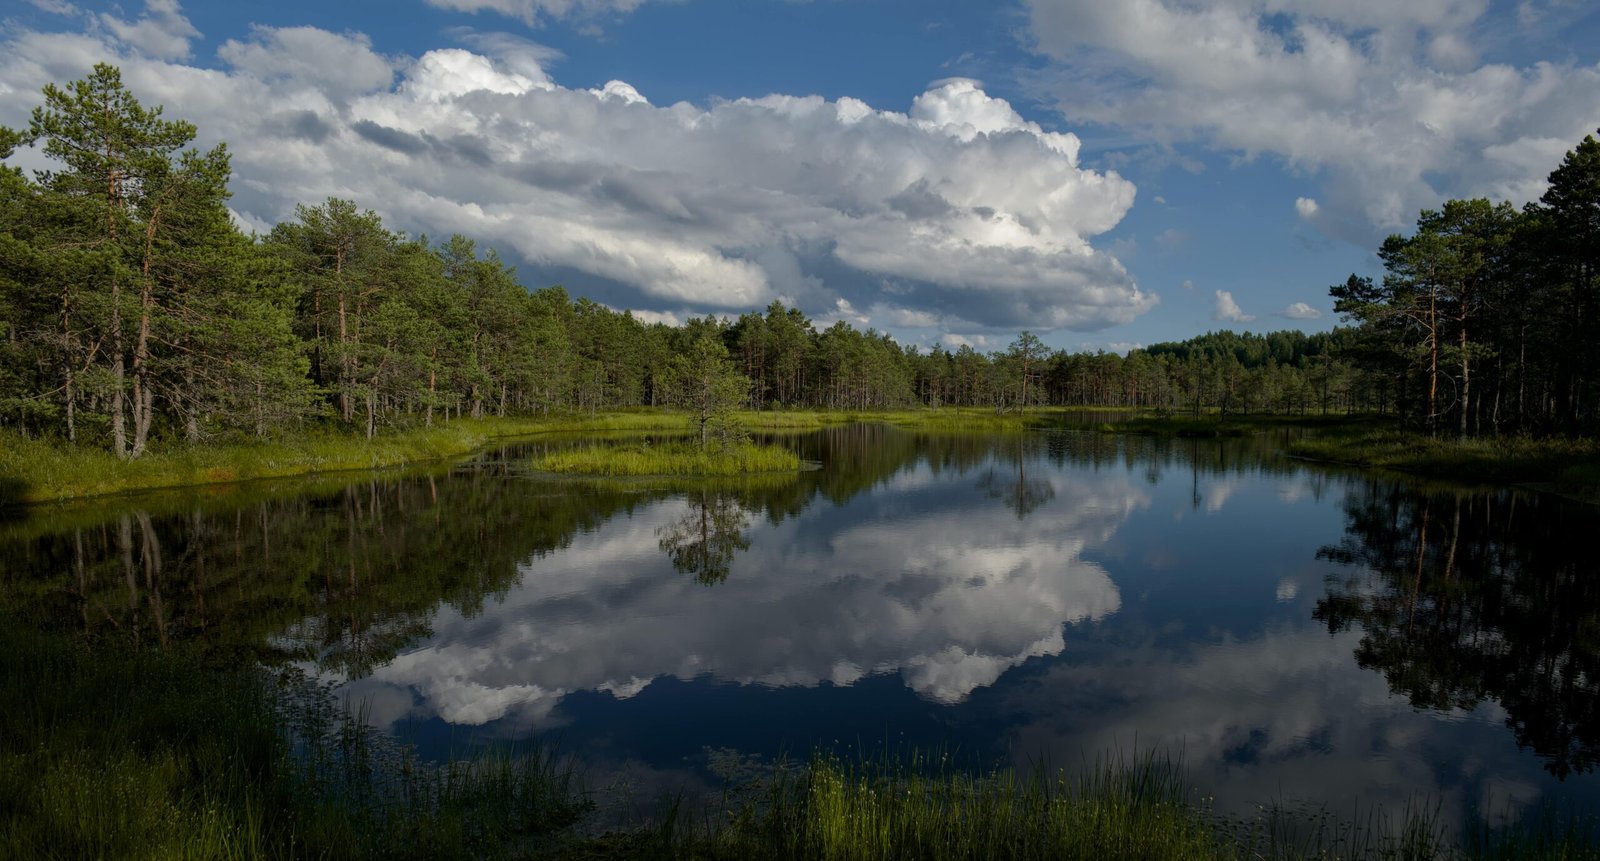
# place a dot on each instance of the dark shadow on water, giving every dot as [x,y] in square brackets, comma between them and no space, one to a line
[13,492]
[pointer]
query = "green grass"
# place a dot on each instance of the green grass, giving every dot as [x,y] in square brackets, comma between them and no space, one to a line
[119,753]
[1215,425]
[955,418]
[33,470]
[670,459]
[1569,466]
[911,805]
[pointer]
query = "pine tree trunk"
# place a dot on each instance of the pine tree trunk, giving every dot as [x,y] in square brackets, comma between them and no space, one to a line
[346,406]
[433,387]
[143,398]
[1433,366]
[1466,381]
[119,378]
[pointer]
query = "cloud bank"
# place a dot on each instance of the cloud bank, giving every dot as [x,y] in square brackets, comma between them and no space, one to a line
[977,218]
[1388,102]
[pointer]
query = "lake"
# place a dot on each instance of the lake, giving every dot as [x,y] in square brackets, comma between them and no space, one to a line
[1294,633]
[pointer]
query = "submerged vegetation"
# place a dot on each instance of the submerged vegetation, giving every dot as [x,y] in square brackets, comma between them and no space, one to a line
[671,459]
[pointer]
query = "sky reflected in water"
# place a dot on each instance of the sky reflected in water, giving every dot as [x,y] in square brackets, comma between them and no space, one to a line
[1291,634]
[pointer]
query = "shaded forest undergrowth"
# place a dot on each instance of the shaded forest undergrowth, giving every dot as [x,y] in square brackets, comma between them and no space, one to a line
[139,753]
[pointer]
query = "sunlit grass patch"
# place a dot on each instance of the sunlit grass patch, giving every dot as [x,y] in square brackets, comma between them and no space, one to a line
[671,459]
[40,471]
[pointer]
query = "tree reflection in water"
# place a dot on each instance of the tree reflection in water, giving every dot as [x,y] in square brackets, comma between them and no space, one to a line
[1470,597]
[1020,493]
[704,541]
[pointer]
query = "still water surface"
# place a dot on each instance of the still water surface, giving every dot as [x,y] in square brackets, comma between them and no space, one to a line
[1292,633]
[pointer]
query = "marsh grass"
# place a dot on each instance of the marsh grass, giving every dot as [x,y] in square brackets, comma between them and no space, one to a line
[1216,425]
[41,471]
[38,470]
[918,806]
[1569,466]
[671,459]
[117,753]
[914,805]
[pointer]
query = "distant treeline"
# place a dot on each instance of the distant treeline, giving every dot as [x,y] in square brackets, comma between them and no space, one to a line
[133,308]
[1487,320]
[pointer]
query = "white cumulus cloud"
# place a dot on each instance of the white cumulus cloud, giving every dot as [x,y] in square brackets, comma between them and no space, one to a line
[1300,311]
[976,217]
[533,11]
[162,31]
[1387,102]
[1228,311]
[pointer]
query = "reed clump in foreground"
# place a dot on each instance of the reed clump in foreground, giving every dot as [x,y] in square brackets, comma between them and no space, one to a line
[671,459]
[914,805]
[131,753]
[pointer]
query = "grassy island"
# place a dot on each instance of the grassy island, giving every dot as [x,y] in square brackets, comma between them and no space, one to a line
[671,459]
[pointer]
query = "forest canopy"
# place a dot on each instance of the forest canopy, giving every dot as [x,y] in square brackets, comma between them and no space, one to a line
[135,311]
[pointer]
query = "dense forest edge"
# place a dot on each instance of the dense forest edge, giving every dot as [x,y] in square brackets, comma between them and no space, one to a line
[137,319]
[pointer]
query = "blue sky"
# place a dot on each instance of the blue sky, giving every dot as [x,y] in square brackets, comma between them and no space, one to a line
[1108,174]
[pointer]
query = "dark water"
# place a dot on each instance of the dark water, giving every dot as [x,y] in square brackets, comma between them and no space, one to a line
[1294,634]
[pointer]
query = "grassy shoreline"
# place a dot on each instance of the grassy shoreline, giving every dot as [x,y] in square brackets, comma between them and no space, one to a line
[34,470]
[1570,467]
[39,471]
[1217,425]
